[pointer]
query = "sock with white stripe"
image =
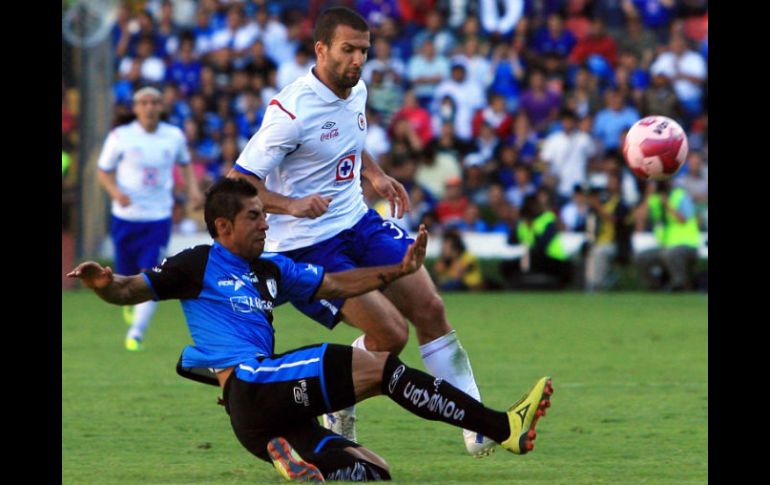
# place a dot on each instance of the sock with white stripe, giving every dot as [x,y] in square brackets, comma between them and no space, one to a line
[143,312]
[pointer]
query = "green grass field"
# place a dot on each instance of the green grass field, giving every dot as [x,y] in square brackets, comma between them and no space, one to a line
[630,405]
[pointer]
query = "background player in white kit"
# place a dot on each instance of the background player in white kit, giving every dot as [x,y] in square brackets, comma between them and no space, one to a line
[307,160]
[136,169]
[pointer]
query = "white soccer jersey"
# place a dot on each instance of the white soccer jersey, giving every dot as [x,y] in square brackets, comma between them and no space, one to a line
[144,164]
[310,142]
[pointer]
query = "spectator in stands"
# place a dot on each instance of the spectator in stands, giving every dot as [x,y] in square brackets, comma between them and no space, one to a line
[144,68]
[443,160]
[392,68]
[385,96]
[686,69]
[493,115]
[377,138]
[451,207]
[507,74]
[583,97]
[608,233]
[425,71]
[523,185]
[656,15]
[642,42]
[553,38]
[675,225]
[499,19]
[612,120]
[417,116]
[443,38]
[660,99]
[523,138]
[597,42]
[457,268]
[538,231]
[575,212]
[477,67]
[257,63]
[185,69]
[466,93]
[288,72]
[540,103]
[695,180]
[567,152]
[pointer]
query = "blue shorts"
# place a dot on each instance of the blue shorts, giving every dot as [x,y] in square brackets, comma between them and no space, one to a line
[371,242]
[139,245]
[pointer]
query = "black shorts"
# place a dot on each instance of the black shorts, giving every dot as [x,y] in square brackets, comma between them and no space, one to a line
[283,395]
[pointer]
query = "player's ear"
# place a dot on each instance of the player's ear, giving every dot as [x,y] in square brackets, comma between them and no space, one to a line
[224,226]
[320,48]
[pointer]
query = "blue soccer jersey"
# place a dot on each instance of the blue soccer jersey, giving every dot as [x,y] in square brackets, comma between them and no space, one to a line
[228,301]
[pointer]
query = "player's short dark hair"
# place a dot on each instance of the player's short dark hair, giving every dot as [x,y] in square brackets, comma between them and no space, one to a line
[332,17]
[223,199]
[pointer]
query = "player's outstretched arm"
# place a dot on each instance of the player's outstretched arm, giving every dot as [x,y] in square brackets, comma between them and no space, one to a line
[354,282]
[111,287]
[311,206]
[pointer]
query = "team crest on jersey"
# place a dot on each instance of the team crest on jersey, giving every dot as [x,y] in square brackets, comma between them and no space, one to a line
[272,287]
[361,122]
[346,166]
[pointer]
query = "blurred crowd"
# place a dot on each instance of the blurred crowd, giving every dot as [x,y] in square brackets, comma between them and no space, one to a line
[474,105]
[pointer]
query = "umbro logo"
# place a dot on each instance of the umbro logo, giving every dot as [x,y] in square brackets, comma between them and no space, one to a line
[328,125]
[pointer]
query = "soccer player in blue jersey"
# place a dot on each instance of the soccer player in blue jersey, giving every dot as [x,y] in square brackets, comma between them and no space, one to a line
[228,291]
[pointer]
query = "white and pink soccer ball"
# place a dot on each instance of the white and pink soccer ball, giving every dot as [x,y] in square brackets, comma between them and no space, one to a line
[655,148]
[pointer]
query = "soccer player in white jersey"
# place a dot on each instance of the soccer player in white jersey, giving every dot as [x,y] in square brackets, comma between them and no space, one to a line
[307,161]
[136,169]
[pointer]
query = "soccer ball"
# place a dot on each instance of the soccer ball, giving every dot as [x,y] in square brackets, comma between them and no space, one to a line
[655,148]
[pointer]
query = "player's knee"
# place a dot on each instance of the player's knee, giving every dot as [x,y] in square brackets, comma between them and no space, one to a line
[431,312]
[392,339]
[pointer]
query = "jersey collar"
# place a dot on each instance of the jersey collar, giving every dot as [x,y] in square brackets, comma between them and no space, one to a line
[323,92]
[229,256]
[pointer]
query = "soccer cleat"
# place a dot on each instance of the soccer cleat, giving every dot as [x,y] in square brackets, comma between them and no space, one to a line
[290,465]
[523,416]
[134,344]
[342,422]
[128,314]
[477,444]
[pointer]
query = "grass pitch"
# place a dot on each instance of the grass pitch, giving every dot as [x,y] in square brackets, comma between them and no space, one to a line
[630,404]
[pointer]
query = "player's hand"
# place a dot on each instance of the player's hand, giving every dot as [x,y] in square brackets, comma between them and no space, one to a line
[392,190]
[123,199]
[311,206]
[415,253]
[92,274]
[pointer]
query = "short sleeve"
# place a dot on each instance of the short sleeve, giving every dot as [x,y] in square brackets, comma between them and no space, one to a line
[278,136]
[299,281]
[180,276]
[183,154]
[110,155]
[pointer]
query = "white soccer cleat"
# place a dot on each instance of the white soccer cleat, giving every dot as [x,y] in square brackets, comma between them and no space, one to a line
[477,445]
[342,422]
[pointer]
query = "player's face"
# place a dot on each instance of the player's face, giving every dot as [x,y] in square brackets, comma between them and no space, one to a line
[343,60]
[147,110]
[249,228]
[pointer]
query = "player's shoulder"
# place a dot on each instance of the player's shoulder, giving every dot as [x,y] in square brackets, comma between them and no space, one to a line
[292,98]
[167,129]
[195,255]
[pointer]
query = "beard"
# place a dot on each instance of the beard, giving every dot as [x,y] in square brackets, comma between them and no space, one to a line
[344,81]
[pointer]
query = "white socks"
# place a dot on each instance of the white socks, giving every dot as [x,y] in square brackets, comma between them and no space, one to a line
[143,312]
[446,358]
